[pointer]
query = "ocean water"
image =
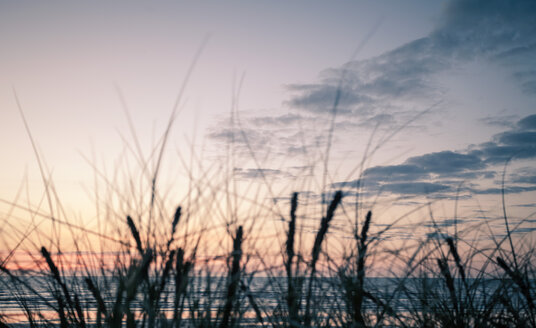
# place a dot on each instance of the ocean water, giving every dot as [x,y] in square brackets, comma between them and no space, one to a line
[37,294]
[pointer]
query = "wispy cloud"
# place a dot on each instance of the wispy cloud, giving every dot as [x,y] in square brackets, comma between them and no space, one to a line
[503,121]
[261,173]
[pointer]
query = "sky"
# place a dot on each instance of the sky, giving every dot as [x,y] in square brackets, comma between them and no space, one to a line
[411,100]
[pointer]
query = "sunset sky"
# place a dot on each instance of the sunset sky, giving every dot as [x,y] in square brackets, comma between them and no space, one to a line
[456,81]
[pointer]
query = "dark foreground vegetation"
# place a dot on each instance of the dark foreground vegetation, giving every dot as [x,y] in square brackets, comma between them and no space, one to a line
[153,283]
[154,269]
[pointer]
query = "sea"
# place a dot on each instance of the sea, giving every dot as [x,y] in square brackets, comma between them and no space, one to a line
[37,294]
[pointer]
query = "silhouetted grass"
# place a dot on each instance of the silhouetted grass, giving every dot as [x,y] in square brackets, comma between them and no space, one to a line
[158,286]
[173,271]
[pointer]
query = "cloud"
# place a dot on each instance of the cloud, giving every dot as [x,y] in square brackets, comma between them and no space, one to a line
[502,32]
[499,190]
[446,162]
[320,98]
[376,120]
[281,120]
[518,143]
[347,184]
[498,32]
[396,172]
[524,176]
[524,230]
[414,175]
[261,173]
[442,173]
[517,138]
[383,90]
[414,188]
[470,20]
[527,81]
[529,205]
[282,136]
[496,153]
[444,223]
[258,134]
[366,88]
[525,179]
[230,135]
[503,121]
[527,123]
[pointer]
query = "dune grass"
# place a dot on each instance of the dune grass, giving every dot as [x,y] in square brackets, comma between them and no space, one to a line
[154,284]
[171,269]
